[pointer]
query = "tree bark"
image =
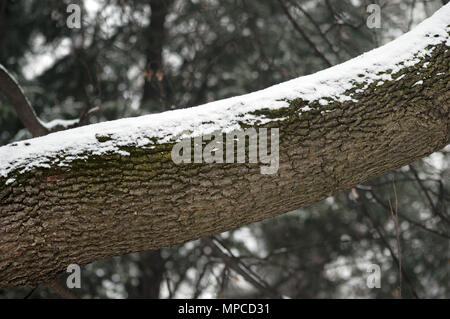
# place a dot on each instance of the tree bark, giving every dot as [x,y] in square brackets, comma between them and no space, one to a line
[109,205]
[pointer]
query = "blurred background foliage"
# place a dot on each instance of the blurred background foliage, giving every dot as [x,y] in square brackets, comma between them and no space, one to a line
[131,58]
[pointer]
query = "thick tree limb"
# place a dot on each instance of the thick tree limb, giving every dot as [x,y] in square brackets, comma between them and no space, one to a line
[110,189]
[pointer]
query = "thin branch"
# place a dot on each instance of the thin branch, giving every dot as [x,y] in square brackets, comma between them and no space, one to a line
[28,295]
[411,15]
[427,195]
[330,8]
[409,220]
[198,286]
[11,89]
[317,26]
[254,29]
[13,92]
[234,263]
[365,211]
[303,34]
[397,234]
[239,260]
[169,288]
[60,290]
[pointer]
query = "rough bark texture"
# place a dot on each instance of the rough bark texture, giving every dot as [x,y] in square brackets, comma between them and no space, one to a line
[111,205]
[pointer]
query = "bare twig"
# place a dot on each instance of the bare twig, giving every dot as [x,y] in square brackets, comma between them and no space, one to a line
[254,29]
[60,290]
[365,211]
[28,295]
[303,34]
[169,288]
[427,195]
[395,219]
[87,112]
[234,263]
[13,92]
[317,26]
[409,220]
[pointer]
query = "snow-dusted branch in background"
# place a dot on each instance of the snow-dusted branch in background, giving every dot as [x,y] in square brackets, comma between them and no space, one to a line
[11,89]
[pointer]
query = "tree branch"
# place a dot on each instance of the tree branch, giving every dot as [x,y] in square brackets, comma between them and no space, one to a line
[319,30]
[11,89]
[61,290]
[365,210]
[303,34]
[112,188]
[234,263]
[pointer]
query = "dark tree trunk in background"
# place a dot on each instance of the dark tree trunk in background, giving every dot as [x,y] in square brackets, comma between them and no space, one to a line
[151,267]
[155,36]
[152,264]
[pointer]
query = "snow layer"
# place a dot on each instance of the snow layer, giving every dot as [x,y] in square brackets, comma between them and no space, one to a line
[224,114]
[60,123]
